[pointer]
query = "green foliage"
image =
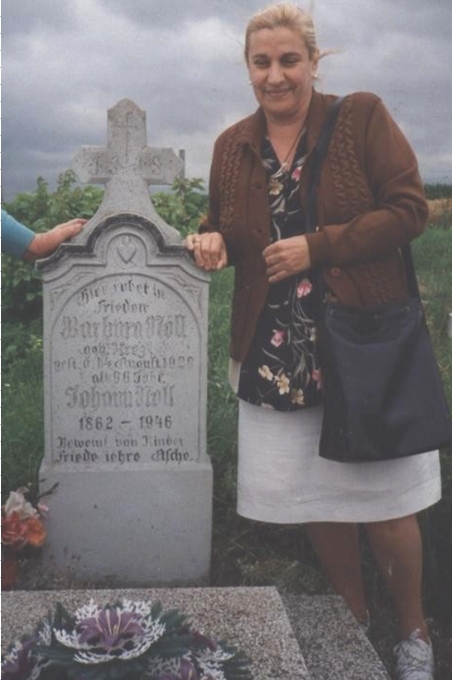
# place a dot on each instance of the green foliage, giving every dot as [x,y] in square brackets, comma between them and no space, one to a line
[182,207]
[432,254]
[22,398]
[222,404]
[438,190]
[22,416]
[41,211]
[21,342]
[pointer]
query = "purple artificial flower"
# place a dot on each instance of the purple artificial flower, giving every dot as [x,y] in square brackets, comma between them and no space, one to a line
[18,663]
[110,628]
[186,672]
[102,634]
[203,641]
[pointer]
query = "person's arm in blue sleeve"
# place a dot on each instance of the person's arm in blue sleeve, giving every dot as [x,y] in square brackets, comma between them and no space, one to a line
[19,241]
[16,237]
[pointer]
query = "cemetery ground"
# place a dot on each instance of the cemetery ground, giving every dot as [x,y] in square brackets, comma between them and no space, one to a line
[244,552]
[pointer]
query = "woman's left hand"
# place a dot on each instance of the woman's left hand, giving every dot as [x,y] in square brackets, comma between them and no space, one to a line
[286,258]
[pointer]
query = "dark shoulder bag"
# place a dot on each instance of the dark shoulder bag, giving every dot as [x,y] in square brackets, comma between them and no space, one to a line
[382,390]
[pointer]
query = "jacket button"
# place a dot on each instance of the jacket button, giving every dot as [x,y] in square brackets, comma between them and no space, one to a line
[258,186]
[335,271]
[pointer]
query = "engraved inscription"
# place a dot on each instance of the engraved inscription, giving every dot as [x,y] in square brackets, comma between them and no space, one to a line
[124,374]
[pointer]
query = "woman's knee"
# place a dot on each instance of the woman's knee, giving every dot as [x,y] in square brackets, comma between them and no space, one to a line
[393,528]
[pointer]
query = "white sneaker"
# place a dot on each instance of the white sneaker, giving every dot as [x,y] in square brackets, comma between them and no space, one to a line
[414,658]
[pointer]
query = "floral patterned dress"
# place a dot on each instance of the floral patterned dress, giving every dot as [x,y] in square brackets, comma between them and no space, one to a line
[281,370]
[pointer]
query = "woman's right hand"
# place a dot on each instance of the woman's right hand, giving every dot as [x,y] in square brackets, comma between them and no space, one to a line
[209,250]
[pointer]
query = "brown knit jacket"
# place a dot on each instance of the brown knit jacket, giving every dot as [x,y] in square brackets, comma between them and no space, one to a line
[370,201]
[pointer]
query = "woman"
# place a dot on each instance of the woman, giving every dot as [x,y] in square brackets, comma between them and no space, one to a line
[370,202]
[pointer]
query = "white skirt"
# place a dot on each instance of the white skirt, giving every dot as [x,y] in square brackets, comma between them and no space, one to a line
[282,479]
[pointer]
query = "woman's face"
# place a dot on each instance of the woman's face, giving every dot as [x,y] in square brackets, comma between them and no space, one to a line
[281,72]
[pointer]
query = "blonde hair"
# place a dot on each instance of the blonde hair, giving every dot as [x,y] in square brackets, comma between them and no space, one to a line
[285,15]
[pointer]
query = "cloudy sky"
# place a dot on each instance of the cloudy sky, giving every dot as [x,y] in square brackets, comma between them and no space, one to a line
[65,62]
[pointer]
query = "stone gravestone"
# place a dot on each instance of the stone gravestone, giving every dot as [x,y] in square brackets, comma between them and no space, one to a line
[125,361]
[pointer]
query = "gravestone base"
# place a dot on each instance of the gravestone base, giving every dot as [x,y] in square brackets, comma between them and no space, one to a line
[139,528]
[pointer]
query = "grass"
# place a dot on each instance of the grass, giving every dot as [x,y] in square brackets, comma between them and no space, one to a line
[22,426]
[433,256]
[22,405]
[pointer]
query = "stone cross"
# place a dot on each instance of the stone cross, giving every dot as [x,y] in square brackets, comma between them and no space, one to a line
[127,165]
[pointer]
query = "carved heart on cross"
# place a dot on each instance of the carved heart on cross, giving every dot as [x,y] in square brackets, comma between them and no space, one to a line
[126,249]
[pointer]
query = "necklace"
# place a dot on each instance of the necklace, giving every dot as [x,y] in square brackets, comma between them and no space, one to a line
[284,167]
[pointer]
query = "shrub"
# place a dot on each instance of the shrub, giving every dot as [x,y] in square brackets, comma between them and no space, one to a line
[40,211]
[182,207]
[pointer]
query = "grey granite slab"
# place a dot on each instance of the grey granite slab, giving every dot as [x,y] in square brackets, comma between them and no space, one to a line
[334,646]
[252,618]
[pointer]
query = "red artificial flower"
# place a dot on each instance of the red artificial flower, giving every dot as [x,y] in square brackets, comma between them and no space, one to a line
[36,532]
[14,531]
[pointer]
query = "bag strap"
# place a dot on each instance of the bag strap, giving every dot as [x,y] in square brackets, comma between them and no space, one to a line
[319,153]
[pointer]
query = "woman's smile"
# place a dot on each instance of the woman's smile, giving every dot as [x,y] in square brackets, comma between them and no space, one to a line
[277,94]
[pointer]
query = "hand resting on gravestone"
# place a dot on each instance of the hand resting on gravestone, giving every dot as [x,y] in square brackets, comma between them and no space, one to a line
[209,250]
[45,243]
